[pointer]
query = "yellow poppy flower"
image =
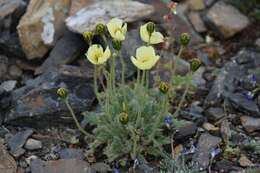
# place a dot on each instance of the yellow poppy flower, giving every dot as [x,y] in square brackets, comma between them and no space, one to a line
[117,29]
[145,58]
[96,54]
[153,38]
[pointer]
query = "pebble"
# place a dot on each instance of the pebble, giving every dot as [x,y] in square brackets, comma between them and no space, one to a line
[33,144]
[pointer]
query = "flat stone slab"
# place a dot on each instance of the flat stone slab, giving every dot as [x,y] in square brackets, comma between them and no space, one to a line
[102,11]
[60,166]
[7,162]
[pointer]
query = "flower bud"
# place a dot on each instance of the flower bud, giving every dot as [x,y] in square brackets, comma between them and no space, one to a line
[150,27]
[88,36]
[195,64]
[116,44]
[123,118]
[185,39]
[164,87]
[62,93]
[100,29]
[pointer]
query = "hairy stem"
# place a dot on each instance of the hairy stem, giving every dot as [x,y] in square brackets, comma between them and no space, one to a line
[182,99]
[123,68]
[75,119]
[95,83]
[175,61]
[143,78]
[147,79]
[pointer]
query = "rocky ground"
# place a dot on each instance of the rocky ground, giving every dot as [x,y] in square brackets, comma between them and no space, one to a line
[41,49]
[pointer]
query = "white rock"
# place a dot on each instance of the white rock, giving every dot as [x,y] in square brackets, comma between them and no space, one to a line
[102,11]
[226,19]
[42,25]
[8,85]
[32,144]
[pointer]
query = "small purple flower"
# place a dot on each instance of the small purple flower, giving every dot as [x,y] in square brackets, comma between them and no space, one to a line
[115,170]
[253,79]
[215,152]
[168,120]
[185,151]
[249,95]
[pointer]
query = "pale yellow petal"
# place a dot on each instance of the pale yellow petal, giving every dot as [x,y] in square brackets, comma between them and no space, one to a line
[144,52]
[124,28]
[92,53]
[111,29]
[117,22]
[144,33]
[119,36]
[156,38]
[134,61]
[139,64]
[107,53]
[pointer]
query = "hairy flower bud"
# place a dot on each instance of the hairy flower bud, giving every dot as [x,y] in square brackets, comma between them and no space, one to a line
[123,118]
[185,39]
[150,27]
[62,93]
[100,29]
[116,44]
[195,64]
[164,87]
[88,36]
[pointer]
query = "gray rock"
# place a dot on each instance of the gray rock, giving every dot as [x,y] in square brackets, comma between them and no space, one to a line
[16,142]
[197,79]
[10,45]
[8,86]
[71,153]
[214,114]
[101,167]
[177,24]
[206,144]
[7,162]
[227,27]
[10,12]
[250,124]
[227,166]
[102,11]
[186,131]
[37,101]
[60,166]
[197,22]
[32,144]
[240,102]
[196,4]
[3,67]
[15,72]
[231,74]
[65,51]
[257,42]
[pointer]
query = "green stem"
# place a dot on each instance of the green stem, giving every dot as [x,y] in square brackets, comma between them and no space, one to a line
[138,76]
[147,79]
[104,39]
[95,83]
[123,68]
[158,118]
[112,73]
[175,61]
[143,78]
[182,99]
[75,119]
